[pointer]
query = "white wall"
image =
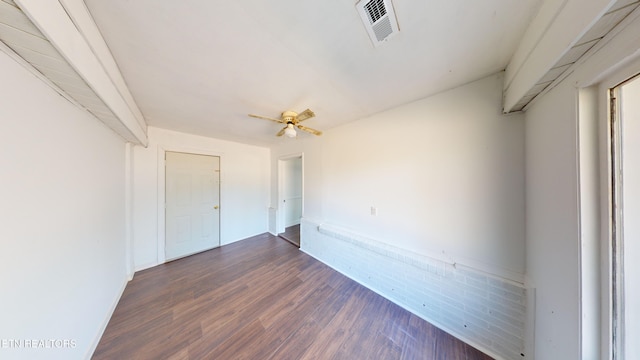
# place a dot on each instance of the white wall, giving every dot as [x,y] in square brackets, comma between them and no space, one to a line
[589,209]
[244,189]
[446,175]
[552,222]
[62,185]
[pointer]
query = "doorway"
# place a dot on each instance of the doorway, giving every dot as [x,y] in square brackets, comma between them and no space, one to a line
[290,193]
[625,212]
[192,212]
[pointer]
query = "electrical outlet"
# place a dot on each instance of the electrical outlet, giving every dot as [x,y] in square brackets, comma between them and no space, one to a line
[374,211]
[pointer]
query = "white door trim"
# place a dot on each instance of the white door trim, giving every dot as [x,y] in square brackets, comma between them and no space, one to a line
[280,213]
[129,209]
[162,149]
[618,75]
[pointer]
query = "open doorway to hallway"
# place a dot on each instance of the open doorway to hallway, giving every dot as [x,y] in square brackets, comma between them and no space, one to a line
[290,190]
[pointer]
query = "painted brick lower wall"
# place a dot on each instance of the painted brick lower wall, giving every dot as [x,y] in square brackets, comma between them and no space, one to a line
[483,310]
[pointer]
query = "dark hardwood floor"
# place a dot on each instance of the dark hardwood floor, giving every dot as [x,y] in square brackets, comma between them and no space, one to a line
[262,298]
[292,235]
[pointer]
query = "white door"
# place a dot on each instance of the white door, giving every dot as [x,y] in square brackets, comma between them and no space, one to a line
[192,193]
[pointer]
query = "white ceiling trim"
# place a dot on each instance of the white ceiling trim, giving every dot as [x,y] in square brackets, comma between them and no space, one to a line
[588,45]
[108,98]
[552,34]
[81,17]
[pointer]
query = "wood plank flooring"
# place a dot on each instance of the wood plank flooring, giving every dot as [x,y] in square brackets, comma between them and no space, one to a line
[292,235]
[262,298]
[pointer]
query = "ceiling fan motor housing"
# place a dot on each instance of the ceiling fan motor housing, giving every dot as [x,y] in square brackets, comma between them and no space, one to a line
[288,116]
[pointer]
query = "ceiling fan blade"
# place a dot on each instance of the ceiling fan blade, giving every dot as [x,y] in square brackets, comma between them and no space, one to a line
[310,130]
[307,114]
[268,118]
[281,132]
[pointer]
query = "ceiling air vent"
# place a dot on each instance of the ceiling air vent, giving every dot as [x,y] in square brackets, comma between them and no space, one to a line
[379,19]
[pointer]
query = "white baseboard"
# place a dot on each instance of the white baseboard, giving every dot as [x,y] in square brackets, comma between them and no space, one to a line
[112,309]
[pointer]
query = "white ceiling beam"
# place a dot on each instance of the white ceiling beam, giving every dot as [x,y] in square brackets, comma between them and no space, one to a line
[69,27]
[556,28]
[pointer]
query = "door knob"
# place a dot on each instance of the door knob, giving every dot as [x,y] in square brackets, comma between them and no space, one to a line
[216,207]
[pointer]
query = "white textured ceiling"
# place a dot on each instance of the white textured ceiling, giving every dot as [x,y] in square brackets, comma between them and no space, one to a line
[201,66]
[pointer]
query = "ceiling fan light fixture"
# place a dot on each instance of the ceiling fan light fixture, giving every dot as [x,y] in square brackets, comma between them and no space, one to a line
[290,131]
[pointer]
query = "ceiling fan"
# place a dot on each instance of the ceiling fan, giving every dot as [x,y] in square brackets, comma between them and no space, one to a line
[291,120]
